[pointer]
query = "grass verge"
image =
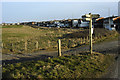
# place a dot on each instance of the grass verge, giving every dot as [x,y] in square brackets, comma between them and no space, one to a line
[82,65]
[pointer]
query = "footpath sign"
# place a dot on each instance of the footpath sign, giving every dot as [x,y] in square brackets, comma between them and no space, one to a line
[88,17]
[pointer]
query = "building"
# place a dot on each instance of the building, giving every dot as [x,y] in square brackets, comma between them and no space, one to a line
[116,21]
[62,23]
[3,24]
[57,23]
[84,24]
[76,23]
[17,23]
[13,23]
[99,23]
[108,23]
[68,23]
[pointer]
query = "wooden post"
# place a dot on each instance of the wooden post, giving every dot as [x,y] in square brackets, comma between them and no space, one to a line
[101,37]
[84,40]
[36,45]
[59,47]
[1,45]
[25,45]
[49,43]
[96,38]
[87,39]
[12,47]
[90,32]
[81,40]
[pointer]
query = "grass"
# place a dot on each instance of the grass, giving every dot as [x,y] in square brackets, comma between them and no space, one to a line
[82,65]
[14,38]
[12,26]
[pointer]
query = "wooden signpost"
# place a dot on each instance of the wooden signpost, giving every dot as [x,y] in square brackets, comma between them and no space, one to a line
[88,17]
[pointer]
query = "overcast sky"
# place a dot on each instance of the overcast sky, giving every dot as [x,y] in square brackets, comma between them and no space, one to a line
[40,11]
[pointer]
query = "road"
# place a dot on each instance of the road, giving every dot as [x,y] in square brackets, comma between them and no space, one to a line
[110,47]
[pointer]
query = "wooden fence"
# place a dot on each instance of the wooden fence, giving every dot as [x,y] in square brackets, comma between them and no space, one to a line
[26,46]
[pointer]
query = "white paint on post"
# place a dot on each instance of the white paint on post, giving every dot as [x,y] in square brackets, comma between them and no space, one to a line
[87,15]
[92,30]
[87,19]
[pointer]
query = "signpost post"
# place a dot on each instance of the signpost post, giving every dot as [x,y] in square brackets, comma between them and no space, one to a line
[88,17]
[90,34]
[59,47]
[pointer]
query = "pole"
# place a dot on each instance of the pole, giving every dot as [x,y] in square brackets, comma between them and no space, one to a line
[59,47]
[90,32]
[2,45]
[12,46]
[25,45]
[36,45]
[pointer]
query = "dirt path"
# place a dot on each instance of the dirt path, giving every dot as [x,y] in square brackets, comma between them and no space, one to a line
[104,47]
[110,47]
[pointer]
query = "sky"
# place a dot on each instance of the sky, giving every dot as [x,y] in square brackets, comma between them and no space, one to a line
[119,9]
[42,11]
[60,0]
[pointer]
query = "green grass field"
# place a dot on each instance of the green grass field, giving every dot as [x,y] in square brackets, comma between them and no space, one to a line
[82,65]
[14,38]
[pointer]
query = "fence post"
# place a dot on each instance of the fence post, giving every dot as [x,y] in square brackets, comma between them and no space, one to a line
[59,47]
[96,38]
[84,40]
[12,47]
[25,45]
[1,45]
[37,45]
[49,43]
[87,38]
[101,37]
[81,40]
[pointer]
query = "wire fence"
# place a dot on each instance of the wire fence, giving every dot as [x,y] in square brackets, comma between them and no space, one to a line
[31,46]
